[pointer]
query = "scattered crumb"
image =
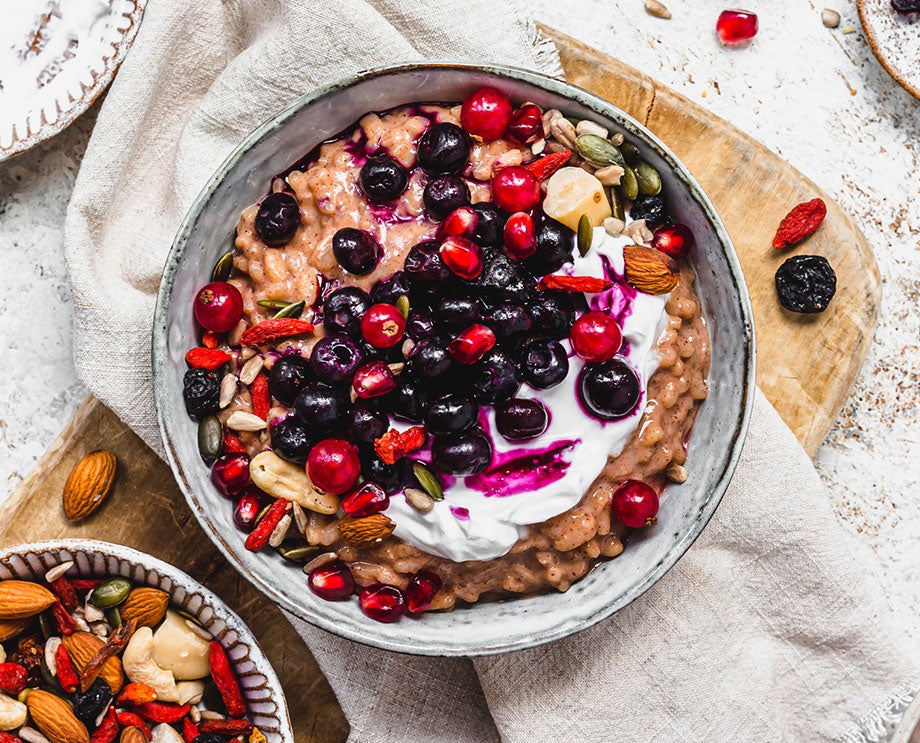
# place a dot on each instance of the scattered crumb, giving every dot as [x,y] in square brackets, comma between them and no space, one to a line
[848,30]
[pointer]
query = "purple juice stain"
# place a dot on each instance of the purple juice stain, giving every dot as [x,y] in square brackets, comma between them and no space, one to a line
[523,470]
[460,513]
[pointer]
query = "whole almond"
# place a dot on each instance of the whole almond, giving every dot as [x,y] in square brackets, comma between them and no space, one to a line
[649,270]
[88,484]
[20,599]
[132,735]
[54,717]
[145,605]
[82,646]
[10,628]
[367,530]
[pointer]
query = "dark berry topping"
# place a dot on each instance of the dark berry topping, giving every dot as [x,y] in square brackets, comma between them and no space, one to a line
[544,364]
[391,477]
[277,219]
[356,251]
[383,178]
[509,320]
[495,378]
[444,148]
[806,283]
[444,194]
[366,424]
[201,391]
[653,209]
[321,407]
[555,244]
[391,289]
[424,265]
[453,314]
[491,224]
[450,414]
[518,420]
[89,704]
[553,314]
[343,310]
[609,390]
[429,359]
[290,439]
[463,454]
[335,358]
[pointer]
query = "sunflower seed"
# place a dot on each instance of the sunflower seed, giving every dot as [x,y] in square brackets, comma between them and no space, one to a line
[300,518]
[657,9]
[419,500]
[396,369]
[677,473]
[223,268]
[537,147]
[280,531]
[240,420]
[613,226]
[51,648]
[57,571]
[609,175]
[589,127]
[227,390]
[564,132]
[251,370]
[319,561]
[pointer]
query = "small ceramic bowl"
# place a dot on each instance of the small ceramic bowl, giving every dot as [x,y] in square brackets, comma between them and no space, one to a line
[93,559]
[486,628]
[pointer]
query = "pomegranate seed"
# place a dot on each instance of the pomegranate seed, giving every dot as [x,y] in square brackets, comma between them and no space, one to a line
[383,603]
[369,499]
[635,503]
[472,344]
[520,240]
[218,306]
[526,124]
[462,256]
[230,473]
[422,588]
[333,466]
[373,380]
[247,508]
[383,325]
[736,26]
[674,239]
[596,337]
[515,189]
[486,113]
[332,581]
[461,221]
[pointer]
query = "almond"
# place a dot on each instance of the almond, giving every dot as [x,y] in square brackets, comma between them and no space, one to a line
[145,605]
[54,717]
[10,628]
[82,646]
[20,599]
[649,270]
[88,484]
[367,530]
[132,735]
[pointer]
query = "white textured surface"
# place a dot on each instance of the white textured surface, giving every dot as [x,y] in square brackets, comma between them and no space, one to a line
[816,96]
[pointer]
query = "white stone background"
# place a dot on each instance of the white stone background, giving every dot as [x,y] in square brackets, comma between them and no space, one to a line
[816,96]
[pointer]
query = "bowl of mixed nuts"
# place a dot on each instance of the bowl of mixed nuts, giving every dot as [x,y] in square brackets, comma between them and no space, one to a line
[99,643]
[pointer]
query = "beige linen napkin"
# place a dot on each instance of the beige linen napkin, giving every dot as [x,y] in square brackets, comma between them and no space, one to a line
[766,630]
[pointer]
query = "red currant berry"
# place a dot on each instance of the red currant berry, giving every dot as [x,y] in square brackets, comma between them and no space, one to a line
[472,344]
[462,256]
[332,581]
[486,113]
[596,337]
[373,380]
[526,124]
[515,189]
[382,603]
[230,473]
[462,221]
[218,306]
[383,325]
[422,588]
[370,498]
[520,240]
[333,466]
[674,239]
[635,504]
[736,26]
[247,508]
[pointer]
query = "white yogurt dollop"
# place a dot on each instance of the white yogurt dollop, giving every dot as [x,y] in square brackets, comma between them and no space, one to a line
[471,525]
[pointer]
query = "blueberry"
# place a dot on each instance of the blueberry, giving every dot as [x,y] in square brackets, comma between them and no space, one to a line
[503,278]
[653,209]
[467,453]
[429,359]
[555,244]
[444,148]
[509,319]
[490,230]
[420,325]
[391,289]
[495,378]
[553,313]
[88,705]
[383,178]
[609,390]
[343,310]
[450,414]
[288,376]
[321,407]
[518,420]
[424,265]
[356,250]
[290,439]
[201,390]
[366,424]
[444,194]
[277,219]
[453,314]
[544,364]
[391,477]
[336,358]
[407,402]
[209,738]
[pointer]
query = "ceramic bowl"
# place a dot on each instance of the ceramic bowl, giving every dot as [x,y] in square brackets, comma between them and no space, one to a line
[489,627]
[93,559]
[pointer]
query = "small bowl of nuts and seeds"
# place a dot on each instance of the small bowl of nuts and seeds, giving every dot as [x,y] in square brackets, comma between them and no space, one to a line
[99,642]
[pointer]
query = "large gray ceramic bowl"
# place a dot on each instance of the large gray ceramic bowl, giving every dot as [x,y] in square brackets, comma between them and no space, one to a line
[493,627]
[265,701]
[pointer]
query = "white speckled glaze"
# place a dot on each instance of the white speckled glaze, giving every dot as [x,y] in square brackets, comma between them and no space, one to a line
[93,559]
[488,627]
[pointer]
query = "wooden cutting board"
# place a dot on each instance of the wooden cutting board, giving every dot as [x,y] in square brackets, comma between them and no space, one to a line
[806,367]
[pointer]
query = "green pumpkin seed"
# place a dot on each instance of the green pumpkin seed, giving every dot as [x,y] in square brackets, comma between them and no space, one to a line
[616,204]
[598,150]
[113,617]
[47,625]
[402,304]
[630,153]
[262,513]
[223,268]
[273,304]
[629,186]
[648,178]
[428,480]
[294,309]
[50,679]
[296,551]
[210,438]
[111,593]
[585,234]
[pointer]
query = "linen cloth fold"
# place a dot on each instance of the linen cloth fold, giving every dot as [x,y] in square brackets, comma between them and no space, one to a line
[766,630]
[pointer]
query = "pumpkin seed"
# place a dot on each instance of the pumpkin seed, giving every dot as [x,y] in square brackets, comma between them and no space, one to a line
[113,617]
[297,551]
[111,593]
[598,150]
[428,480]
[648,178]
[210,438]
[47,626]
[616,204]
[402,304]
[273,304]
[50,679]
[262,513]
[630,153]
[629,186]
[585,234]
[223,268]
[294,309]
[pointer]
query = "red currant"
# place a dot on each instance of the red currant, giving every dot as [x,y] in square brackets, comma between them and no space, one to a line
[462,256]
[332,581]
[472,344]
[596,337]
[230,473]
[736,26]
[526,124]
[218,306]
[383,325]
[486,113]
[370,498]
[383,603]
[373,380]
[422,588]
[333,466]
[515,189]
[635,504]
[674,239]
[520,240]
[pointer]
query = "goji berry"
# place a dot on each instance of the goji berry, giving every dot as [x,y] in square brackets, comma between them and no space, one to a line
[64,590]
[275,329]
[799,223]
[190,730]
[108,728]
[207,358]
[549,164]
[259,536]
[232,444]
[114,644]
[136,693]
[67,676]
[86,584]
[128,719]
[226,683]
[13,678]
[589,284]
[210,339]
[10,738]
[394,445]
[261,397]
[226,727]
[162,711]
[65,622]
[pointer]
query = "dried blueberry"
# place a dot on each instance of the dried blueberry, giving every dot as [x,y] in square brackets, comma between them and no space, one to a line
[555,244]
[288,376]
[383,178]
[467,453]
[210,738]
[343,310]
[88,705]
[277,219]
[806,283]
[490,228]
[444,148]
[356,250]
[543,364]
[336,358]
[610,390]
[653,209]
[201,390]
[450,414]
[291,440]
[494,378]
[424,265]
[321,407]
[444,194]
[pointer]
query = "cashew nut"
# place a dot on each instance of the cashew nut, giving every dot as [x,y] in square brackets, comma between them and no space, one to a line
[13,713]
[164,733]
[282,479]
[139,666]
[176,648]
[190,692]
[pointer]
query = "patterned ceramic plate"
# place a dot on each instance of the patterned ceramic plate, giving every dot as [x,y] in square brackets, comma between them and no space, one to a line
[895,41]
[56,58]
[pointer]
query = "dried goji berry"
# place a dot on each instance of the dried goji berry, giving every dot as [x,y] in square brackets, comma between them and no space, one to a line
[226,727]
[207,358]
[64,590]
[589,284]
[261,397]
[162,711]
[67,676]
[127,719]
[108,728]
[224,679]
[86,584]
[136,693]
[275,329]
[546,166]
[65,623]
[259,536]
[13,678]
[190,730]
[799,223]
[232,444]
[114,644]
[210,339]
[10,738]
[394,445]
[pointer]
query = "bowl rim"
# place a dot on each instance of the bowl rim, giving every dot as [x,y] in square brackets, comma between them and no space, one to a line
[221,609]
[551,85]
